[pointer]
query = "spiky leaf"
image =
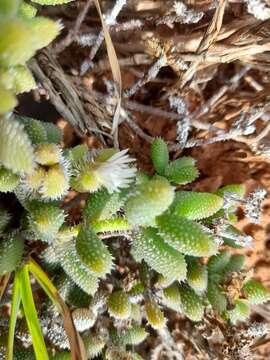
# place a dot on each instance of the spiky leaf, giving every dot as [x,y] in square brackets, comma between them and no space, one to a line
[171,297]
[102,205]
[94,345]
[196,205]
[235,238]
[154,197]
[11,251]
[54,134]
[77,297]
[191,303]
[34,128]
[44,31]
[217,263]
[115,224]
[237,189]
[18,79]
[83,319]
[45,219]
[182,171]
[27,11]
[8,180]
[197,276]
[78,155]
[216,297]
[33,182]
[185,235]
[78,272]
[255,292]
[119,305]
[159,155]
[240,312]
[7,100]
[16,151]
[55,183]
[93,252]
[48,154]
[159,256]
[16,42]
[135,335]
[236,263]
[154,315]
[141,178]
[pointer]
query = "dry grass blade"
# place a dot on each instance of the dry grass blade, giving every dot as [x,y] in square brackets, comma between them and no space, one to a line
[209,38]
[115,71]
[62,92]
[214,27]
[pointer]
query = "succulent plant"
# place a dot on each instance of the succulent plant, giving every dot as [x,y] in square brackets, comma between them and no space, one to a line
[11,251]
[119,305]
[16,150]
[171,240]
[148,245]
[93,253]
[154,315]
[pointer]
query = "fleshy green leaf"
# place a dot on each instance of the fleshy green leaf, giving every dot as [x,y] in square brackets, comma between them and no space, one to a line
[16,151]
[159,155]
[185,235]
[45,219]
[102,205]
[197,276]
[4,219]
[238,189]
[158,255]
[54,134]
[154,315]
[8,180]
[182,171]
[93,252]
[7,100]
[27,11]
[16,42]
[216,297]
[240,312]
[78,272]
[217,263]
[191,303]
[196,205]
[119,305]
[135,335]
[94,345]
[18,79]
[235,264]
[255,292]
[115,224]
[34,128]
[44,31]
[171,297]
[154,197]
[11,251]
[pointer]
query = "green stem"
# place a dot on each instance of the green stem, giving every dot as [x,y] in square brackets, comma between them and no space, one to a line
[110,225]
